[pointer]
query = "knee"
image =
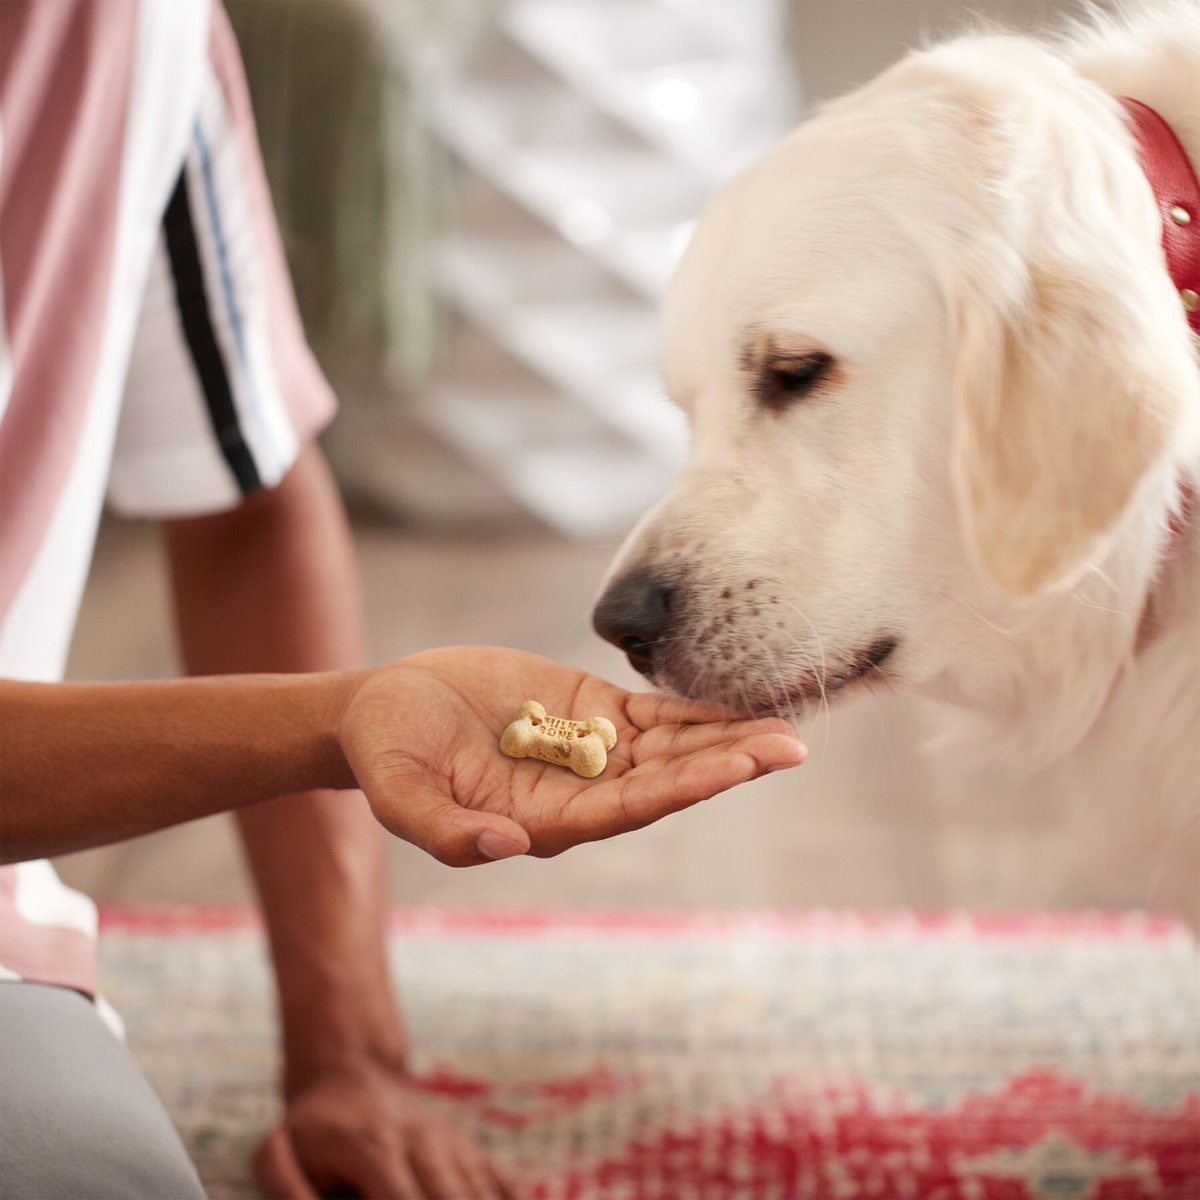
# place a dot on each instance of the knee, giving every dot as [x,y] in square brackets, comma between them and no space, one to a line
[97,1149]
[77,1118]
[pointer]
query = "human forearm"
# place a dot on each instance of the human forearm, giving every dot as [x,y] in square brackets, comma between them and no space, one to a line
[272,586]
[324,891]
[86,764]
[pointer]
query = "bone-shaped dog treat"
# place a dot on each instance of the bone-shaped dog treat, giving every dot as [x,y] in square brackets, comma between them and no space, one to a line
[581,745]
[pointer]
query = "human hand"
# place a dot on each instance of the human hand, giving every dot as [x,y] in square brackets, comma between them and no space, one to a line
[364,1130]
[422,738]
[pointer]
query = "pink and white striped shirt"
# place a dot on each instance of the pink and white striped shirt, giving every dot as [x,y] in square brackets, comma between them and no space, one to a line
[150,348]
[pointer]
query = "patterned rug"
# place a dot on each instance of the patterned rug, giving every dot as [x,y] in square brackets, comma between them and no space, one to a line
[757,1056]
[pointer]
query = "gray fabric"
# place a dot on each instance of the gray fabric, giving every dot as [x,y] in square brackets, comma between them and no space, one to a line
[77,1119]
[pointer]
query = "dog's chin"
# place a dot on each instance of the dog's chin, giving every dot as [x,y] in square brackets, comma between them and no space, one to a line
[779,697]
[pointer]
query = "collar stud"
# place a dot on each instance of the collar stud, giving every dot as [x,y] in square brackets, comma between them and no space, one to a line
[1172,179]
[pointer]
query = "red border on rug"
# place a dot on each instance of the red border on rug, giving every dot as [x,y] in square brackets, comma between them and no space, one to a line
[1140,926]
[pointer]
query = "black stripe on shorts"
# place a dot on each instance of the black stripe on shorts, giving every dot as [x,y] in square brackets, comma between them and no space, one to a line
[192,298]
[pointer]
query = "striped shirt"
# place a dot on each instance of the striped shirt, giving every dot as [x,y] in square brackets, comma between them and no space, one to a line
[150,349]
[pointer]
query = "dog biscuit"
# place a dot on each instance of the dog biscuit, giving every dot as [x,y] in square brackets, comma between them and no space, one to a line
[581,745]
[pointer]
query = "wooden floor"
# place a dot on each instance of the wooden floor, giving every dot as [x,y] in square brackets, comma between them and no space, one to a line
[868,821]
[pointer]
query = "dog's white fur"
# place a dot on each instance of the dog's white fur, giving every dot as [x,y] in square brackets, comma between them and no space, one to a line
[988,474]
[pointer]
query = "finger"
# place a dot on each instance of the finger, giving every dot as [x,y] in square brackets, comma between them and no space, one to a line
[488,1180]
[456,836]
[481,1184]
[277,1172]
[435,1166]
[672,783]
[383,1175]
[656,789]
[674,740]
[647,709]
[508,1187]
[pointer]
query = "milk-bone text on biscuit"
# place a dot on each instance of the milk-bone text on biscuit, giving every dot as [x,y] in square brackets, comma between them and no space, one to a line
[581,745]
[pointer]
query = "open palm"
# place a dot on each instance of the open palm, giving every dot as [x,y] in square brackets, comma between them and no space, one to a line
[422,738]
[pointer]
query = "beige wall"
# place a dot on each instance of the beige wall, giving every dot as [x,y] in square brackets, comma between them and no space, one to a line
[840,44]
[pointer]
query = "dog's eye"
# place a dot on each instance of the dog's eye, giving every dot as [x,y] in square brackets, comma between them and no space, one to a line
[787,380]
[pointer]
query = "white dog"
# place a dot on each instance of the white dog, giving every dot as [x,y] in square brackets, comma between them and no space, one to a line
[945,412]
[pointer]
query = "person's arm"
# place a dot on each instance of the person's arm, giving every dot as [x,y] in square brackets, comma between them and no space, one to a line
[273,586]
[85,764]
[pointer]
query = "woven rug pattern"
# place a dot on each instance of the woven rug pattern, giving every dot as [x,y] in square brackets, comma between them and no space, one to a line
[756,1056]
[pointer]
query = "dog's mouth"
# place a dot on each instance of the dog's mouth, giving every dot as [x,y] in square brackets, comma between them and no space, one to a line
[870,659]
[818,686]
[767,692]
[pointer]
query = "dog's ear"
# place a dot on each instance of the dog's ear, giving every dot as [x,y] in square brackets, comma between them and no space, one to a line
[1072,378]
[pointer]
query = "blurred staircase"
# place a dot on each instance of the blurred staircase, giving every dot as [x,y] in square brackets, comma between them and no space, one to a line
[585,137]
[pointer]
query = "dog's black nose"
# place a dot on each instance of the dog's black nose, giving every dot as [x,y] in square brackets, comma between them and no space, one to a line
[633,614]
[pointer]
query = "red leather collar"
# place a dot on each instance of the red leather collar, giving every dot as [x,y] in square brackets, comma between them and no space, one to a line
[1177,191]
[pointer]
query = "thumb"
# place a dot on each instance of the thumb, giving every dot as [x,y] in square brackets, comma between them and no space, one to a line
[459,837]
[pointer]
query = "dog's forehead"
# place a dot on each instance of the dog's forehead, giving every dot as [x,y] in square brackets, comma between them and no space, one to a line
[795,245]
[843,212]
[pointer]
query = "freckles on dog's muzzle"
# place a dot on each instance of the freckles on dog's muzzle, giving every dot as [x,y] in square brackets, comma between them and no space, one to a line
[634,614]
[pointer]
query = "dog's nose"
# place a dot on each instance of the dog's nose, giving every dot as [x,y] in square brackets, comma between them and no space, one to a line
[633,614]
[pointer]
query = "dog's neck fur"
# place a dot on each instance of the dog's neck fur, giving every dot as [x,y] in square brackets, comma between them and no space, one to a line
[1058,682]
[1155,58]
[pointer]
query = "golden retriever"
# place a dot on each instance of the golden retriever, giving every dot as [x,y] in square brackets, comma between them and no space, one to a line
[945,413]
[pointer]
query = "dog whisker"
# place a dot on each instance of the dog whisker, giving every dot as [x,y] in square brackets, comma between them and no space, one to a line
[1006,633]
[1085,603]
